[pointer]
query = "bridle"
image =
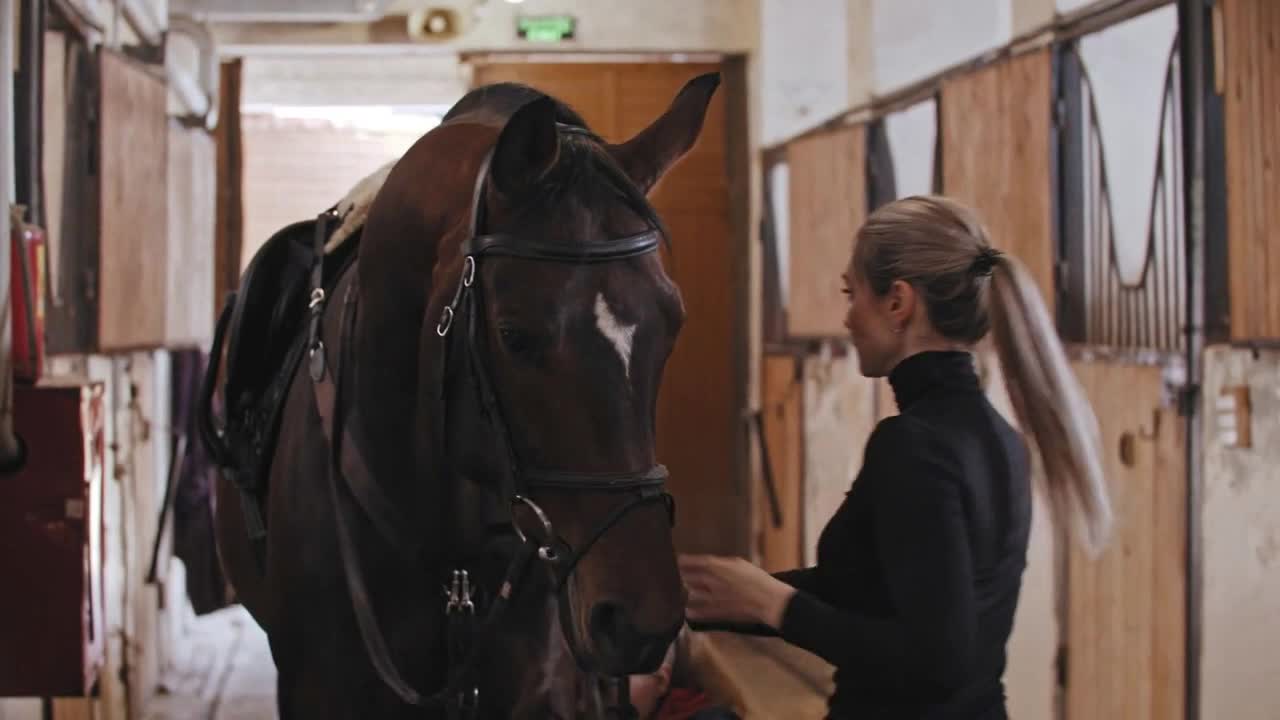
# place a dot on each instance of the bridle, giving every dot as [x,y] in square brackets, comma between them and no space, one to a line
[461,325]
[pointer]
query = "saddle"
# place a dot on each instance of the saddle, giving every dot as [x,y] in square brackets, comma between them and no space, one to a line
[263,329]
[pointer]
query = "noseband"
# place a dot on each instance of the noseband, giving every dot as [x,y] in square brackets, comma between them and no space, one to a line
[464,311]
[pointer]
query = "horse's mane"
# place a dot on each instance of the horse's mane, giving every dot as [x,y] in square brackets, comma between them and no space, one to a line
[584,172]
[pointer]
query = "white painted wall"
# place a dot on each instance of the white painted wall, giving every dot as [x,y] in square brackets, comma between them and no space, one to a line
[916,38]
[602,26]
[912,135]
[348,79]
[1241,510]
[805,76]
[821,57]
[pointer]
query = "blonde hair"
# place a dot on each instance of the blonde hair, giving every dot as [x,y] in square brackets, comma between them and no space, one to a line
[969,288]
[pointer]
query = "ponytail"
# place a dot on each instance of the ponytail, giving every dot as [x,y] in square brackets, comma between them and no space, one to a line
[1050,404]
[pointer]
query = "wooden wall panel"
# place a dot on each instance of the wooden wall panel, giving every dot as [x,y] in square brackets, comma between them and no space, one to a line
[827,201]
[700,431]
[192,215]
[134,222]
[1250,56]
[71,191]
[996,143]
[782,548]
[1126,621]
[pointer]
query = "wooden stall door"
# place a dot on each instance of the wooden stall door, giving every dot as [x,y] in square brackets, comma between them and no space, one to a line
[1126,616]
[700,430]
[996,145]
[780,546]
[133,167]
[1251,90]
[828,202]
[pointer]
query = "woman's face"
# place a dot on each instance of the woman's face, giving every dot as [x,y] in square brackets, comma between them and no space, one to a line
[871,321]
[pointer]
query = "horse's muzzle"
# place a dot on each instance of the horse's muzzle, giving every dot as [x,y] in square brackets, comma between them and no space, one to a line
[620,647]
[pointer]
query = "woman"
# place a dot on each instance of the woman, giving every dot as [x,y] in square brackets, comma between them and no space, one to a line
[917,577]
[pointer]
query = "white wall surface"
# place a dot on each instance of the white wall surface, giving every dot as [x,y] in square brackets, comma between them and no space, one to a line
[916,38]
[602,26]
[805,76]
[912,133]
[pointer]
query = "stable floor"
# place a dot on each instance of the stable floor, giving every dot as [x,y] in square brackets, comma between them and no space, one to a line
[225,673]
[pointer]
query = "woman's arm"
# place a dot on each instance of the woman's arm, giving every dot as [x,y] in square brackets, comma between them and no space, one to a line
[801,579]
[922,539]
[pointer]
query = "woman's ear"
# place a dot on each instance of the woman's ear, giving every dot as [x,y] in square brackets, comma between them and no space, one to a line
[901,304]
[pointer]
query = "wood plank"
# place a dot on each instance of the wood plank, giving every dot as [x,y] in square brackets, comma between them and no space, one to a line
[134,167]
[229,227]
[996,143]
[71,323]
[1252,117]
[827,202]
[1126,618]
[700,405]
[781,548]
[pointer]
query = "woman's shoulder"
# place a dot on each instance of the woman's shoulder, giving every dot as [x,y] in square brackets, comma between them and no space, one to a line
[901,442]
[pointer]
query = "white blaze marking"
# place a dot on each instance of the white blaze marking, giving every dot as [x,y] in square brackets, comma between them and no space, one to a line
[615,332]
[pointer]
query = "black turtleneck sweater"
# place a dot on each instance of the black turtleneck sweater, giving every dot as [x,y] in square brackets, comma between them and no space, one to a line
[918,572]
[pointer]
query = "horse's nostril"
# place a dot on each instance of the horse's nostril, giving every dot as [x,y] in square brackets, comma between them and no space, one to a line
[609,625]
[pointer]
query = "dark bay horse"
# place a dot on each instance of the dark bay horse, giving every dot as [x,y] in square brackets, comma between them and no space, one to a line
[465,516]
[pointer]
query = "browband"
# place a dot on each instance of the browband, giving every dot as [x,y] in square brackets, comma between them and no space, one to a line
[607,251]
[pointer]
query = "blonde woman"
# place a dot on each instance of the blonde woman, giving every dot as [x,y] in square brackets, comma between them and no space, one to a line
[918,572]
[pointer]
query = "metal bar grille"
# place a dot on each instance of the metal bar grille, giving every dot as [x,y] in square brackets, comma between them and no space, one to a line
[1101,307]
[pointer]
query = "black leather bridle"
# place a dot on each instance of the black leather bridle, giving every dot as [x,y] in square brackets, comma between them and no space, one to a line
[467,641]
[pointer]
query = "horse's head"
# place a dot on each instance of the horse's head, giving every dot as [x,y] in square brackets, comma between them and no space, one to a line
[558,319]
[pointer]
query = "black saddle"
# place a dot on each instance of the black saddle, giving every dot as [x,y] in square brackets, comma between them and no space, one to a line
[263,328]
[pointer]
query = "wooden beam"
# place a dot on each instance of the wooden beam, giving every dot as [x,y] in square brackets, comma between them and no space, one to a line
[230,208]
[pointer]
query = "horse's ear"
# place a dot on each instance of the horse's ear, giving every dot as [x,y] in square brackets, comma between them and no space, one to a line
[527,147]
[650,154]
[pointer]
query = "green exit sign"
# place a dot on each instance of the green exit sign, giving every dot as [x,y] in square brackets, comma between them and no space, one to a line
[546,28]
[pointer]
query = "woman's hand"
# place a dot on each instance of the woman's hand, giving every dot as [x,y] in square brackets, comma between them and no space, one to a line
[733,590]
[647,691]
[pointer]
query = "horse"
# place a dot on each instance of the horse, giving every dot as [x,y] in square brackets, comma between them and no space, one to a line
[440,493]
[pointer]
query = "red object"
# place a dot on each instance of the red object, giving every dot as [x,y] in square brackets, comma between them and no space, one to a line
[51,544]
[682,703]
[26,293]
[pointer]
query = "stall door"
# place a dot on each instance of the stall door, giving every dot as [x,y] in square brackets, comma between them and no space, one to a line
[700,427]
[996,144]
[1126,623]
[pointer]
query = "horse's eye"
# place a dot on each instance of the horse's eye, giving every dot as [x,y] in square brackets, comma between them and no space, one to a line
[514,340]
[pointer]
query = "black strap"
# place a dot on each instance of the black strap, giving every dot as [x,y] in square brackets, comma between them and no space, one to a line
[655,476]
[347,464]
[594,252]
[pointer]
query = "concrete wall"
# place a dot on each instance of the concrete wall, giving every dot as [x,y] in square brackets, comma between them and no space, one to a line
[1241,535]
